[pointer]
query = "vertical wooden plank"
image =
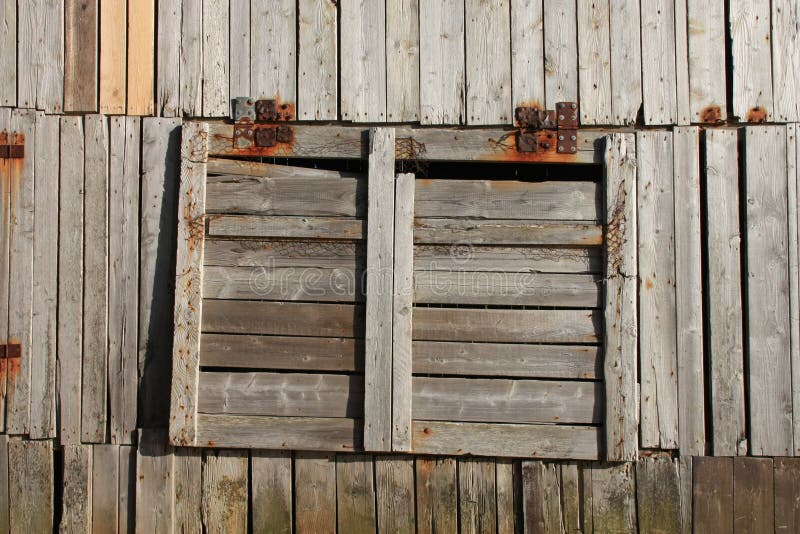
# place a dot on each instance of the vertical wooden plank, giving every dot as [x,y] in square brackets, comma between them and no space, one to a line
[154,480]
[712,504]
[40,55]
[437,495]
[682,104]
[363,71]
[105,488]
[157,243]
[216,94]
[126,503]
[570,496]
[787,489]
[188,283]
[188,485]
[271,483]
[168,68]
[541,497]
[225,491]
[442,79]
[77,494]
[658,61]
[20,295]
[191,66]
[28,21]
[707,83]
[113,60]
[402,61]
[141,57]
[355,494]
[527,53]
[753,497]
[8,60]
[786,58]
[725,293]
[560,52]
[394,483]
[488,42]
[240,48]
[752,60]
[315,493]
[123,237]
[477,506]
[626,61]
[657,313]
[4,488]
[586,509]
[769,368]
[70,282]
[403,296]
[80,55]
[505,483]
[685,480]
[31,485]
[614,497]
[95,276]
[658,497]
[45,279]
[273,61]
[5,225]
[317,95]
[379,313]
[688,292]
[594,60]
[793,168]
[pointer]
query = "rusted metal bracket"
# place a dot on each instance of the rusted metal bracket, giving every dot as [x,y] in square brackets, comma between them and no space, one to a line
[10,351]
[268,110]
[269,136]
[243,109]
[15,149]
[544,130]
[243,134]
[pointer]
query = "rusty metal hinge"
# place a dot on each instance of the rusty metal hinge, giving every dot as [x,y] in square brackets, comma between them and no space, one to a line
[269,110]
[544,130]
[10,351]
[243,134]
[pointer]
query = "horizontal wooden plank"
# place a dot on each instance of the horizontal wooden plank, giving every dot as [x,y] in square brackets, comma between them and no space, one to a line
[245,167]
[283,318]
[297,254]
[505,232]
[295,433]
[282,352]
[344,197]
[508,199]
[296,227]
[523,441]
[283,283]
[500,288]
[507,259]
[497,359]
[517,326]
[282,394]
[506,401]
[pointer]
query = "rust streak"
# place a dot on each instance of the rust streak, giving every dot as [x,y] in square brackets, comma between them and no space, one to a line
[757,114]
[710,115]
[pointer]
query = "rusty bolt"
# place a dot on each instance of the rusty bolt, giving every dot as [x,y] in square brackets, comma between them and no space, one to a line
[561,149]
[560,137]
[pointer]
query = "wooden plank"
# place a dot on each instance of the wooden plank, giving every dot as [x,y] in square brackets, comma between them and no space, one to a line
[31,485]
[476,492]
[482,439]
[188,284]
[437,495]
[215,60]
[769,368]
[496,325]
[105,468]
[725,293]
[70,284]
[506,488]
[188,486]
[488,65]
[657,495]
[527,53]
[80,55]
[126,504]
[560,53]
[271,170]
[77,493]
[191,66]
[306,433]
[8,60]
[785,55]
[160,168]
[787,488]
[394,487]
[657,310]
[94,401]
[712,503]
[5,259]
[315,500]
[507,401]
[113,56]
[620,311]
[613,497]
[571,496]
[240,52]
[295,227]
[154,480]
[225,491]
[511,359]
[505,232]
[442,80]
[541,505]
[658,62]
[626,61]
[683,112]
[508,199]
[402,61]
[280,254]
[753,497]
[141,57]
[688,292]
[793,178]
[475,258]
[402,311]
[123,279]
[379,309]
[273,30]
[40,55]
[707,84]
[685,489]
[362,77]
[594,61]
[317,64]
[4,488]
[271,493]
[355,494]
[168,66]
[750,37]
[45,279]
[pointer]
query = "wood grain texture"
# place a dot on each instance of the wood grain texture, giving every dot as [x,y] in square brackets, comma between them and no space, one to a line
[749,22]
[540,497]
[477,502]
[281,226]
[215,59]
[4,488]
[753,495]
[273,30]
[712,503]
[223,166]
[31,485]
[271,491]
[113,56]
[442,79]
[5,259]
[505,471]
[141,57]
[394,492]
[355,494]
[402,311]
[488,65]
[468,232]
[315,500]
[40,55]
[104,473]
[191,64]
[787,486]
[188,487]
[80,55]
[793,179]
[225,488]
[317,63]
[513,259]
[154,478]
[8,60]
[437,495]
[402,61]
[657,495]
[594,62]
[240,51]
[560,52]
[682,99]
[785,59]
[362,75]
[527,53]
[626,61]
[658,62]
[707,83]
[77,515]
[168,59]
[613,497]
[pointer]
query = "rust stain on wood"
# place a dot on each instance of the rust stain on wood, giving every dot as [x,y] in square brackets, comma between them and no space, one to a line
[711,114]
[757,114]
[505,148]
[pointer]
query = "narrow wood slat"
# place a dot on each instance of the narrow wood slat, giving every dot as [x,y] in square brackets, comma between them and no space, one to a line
[273,60]
[506,489]
[685,489]
[751,44]
[5,259]
[505,232]
[477,499]
[658,62]
[362,77]
[594,59]
[215,58]
[402,311]
[707,92]
[527,53]
[271,170]
[8,60]
[657,495]
[127,489]
[682,101]
[154,481]
[188,486]
[5,498]
[541,504]
[614,497]
[785,52]
[80,55]
[30,485]
[141,57]
[271,491]
[317,64]
[560,53]
[753,495]
[191,66]
[355,494]
[793,185]
[40,55]
[113,56]
[402,61]
[437,495]
[442,79]
[488,68]
[787,487]
[294,227]
[315,500]
[626,61]
[394,487]
[571,496]
[169,57]
[712,503]
[239,46]
[105,467]
[77,493]
[477,258]
[225,491]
